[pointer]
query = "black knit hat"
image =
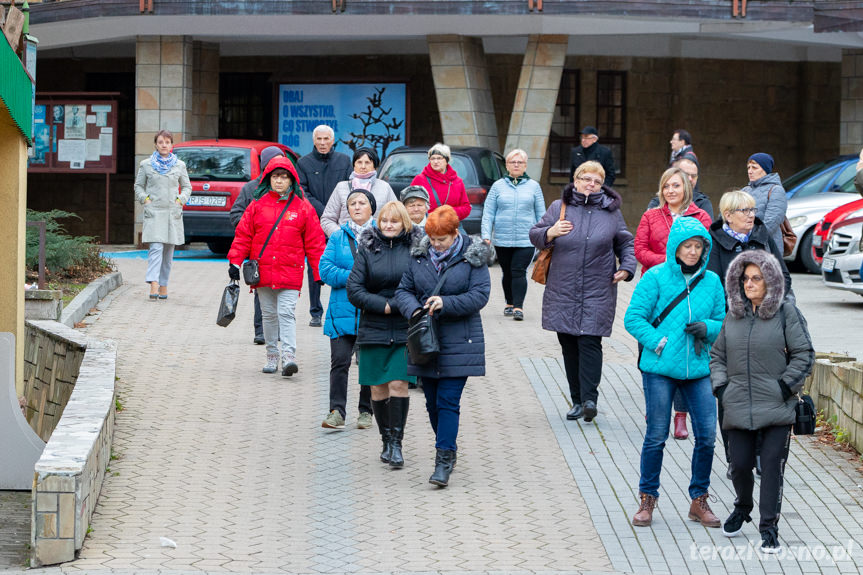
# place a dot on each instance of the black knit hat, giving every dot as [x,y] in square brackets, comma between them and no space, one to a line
[373,156]
[368,194]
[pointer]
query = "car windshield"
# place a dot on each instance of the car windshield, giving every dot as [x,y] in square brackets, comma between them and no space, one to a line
[807,172]
[407,165]
[226,164]
[845,180]
[816,184]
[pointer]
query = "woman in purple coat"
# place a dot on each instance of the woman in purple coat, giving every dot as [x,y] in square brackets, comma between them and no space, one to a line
[593,250]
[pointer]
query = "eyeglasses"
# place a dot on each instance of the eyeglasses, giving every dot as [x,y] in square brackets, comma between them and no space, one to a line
[515,162]
[746,211]
[594,181]
[753,279]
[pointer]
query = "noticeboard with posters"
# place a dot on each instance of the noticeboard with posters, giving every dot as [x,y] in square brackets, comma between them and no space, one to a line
[74,136]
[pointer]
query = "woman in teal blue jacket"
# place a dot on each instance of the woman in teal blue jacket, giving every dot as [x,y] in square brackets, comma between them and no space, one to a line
[514,204]
[342,317]
[676,356]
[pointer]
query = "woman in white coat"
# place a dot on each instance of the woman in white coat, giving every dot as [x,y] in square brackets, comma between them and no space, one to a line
[162,185]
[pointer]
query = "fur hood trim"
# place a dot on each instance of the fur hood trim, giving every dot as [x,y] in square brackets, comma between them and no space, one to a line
[773,279]
[475,251]
[373,240]
[609,199]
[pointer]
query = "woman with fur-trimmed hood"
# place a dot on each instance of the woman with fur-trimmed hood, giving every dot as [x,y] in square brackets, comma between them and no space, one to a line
[461,296]
[758,364]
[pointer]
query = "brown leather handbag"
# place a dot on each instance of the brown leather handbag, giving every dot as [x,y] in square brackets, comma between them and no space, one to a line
[543,260]
[789,238]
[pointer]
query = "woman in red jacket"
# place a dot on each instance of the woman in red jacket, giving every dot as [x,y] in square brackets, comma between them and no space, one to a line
[442,182]
[675,200]
[281,208]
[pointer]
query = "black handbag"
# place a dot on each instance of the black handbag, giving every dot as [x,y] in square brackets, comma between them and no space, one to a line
[804,411]
[423,342]
[228,305]
[251,271]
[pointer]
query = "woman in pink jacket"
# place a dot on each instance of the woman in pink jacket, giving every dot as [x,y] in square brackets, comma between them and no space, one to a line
[442,182]
[675,201]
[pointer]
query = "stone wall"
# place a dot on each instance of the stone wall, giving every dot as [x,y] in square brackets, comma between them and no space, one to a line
[837,389]
[70,473]
[52,358]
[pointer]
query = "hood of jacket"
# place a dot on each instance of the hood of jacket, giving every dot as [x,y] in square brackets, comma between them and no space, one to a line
[758,234]
[606,198]
[771,179]
[475,251]
[448,176]
[275,163]
[774,281]
[374,240]
[683,228]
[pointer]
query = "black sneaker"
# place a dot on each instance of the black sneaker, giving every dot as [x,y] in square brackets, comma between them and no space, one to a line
[259,340]
[770,541]
[734,524]
[316,322]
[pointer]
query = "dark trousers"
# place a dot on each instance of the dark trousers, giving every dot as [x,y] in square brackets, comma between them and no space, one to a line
[582,360]
[316,309]
[513,264]
[443,403]
[341,353]
[680,402]
[259,318]
[743,446]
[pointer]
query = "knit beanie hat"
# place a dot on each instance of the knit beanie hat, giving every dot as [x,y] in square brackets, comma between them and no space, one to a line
[763,160]
[368,195]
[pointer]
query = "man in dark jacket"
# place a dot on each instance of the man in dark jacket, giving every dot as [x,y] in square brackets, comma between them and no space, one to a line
[690,168]
[320,170]
[591,150]
[238,209]
[681,147]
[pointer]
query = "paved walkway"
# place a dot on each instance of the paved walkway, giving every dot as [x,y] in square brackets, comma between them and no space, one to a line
[232,464]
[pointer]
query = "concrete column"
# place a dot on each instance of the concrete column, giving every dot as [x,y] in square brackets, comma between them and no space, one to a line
[535,99]
[13,198]
[851,115]
[164,95]
[205,90]
[463,91]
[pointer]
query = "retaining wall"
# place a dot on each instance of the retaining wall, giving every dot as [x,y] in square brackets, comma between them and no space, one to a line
[836,386]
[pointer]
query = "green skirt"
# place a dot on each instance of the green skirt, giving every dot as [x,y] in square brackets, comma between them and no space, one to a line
[383,363]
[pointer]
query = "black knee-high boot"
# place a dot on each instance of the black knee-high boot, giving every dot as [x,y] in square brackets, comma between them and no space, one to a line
[398,417]
[382,416]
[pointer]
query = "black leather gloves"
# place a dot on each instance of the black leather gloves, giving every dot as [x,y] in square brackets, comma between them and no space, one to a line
[233,272]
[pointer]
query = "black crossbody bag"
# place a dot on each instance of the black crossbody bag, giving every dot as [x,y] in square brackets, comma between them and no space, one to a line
[423,342]
[251,270]
[664,314]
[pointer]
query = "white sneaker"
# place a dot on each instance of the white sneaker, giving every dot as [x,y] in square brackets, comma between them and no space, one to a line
[272,363]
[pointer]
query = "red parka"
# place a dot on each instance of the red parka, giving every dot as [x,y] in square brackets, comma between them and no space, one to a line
[449,188]
[297,237]
[651,236]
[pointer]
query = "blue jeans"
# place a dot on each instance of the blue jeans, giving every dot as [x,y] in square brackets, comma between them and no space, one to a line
[443,397]
[658,393]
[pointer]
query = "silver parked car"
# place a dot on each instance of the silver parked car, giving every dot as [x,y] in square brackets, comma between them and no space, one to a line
[812,193]
[843,257]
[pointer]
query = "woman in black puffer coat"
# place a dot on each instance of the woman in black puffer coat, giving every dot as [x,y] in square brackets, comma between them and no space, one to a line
[381,259]
[462,295]
[757,366]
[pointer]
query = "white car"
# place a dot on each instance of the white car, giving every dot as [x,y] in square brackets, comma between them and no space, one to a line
[843,257]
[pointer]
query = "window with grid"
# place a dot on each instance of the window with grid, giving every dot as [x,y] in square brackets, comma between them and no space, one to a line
[611,115]
[246,106]
[564,126]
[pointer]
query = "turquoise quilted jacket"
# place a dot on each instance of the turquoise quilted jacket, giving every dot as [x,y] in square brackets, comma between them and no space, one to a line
[656,289]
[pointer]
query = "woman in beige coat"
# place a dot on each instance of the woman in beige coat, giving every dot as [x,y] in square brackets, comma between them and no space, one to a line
[162,185]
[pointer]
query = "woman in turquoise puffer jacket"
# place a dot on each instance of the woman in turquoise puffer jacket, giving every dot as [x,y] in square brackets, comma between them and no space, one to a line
[676,357]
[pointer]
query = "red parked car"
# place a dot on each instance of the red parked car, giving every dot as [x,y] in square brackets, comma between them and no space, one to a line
[218,169]
[824,228]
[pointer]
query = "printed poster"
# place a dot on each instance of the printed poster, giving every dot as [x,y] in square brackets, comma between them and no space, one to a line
[361,115]
[76,124]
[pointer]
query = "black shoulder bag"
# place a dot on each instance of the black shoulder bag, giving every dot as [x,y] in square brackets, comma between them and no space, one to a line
[804,411]
[664,314]
[251,271]
[423,342]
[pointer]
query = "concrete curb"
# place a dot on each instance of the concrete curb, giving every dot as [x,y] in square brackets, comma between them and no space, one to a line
[79,307]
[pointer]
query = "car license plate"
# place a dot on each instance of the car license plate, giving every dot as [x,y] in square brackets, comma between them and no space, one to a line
[209,201]
[816,240]
[828,264]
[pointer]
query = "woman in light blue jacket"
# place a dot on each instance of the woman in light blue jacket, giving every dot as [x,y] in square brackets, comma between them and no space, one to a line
[514,204]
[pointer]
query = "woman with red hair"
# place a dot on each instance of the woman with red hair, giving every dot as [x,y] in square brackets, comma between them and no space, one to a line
[462,294]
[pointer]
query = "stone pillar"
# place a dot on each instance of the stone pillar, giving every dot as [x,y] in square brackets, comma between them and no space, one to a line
[13,198]
[205,91]
[463,91]
[851,116]
[535,99]
[163,101]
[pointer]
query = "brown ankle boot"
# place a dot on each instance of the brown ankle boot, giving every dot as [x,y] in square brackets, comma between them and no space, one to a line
[700,511]
[644,516]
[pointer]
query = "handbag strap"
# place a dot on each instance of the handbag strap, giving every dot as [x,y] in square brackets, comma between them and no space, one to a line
[680,297]
[275,225]
[562,210]
[439,284]
[434,192]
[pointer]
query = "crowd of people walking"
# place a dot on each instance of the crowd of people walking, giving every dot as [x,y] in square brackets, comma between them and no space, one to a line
[719,335]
